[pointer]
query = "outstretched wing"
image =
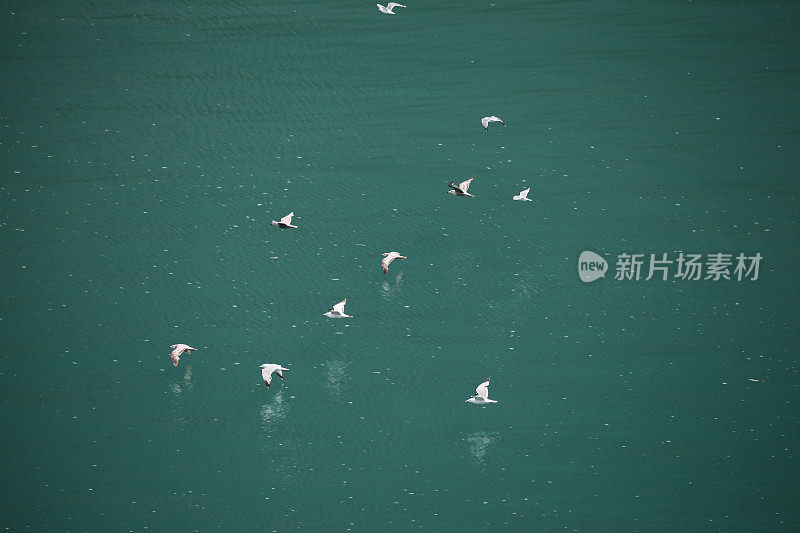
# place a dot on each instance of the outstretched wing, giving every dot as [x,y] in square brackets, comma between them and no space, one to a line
[464,185]
[339,308]
[385,263]
[287,219]
[486,120]
[392,5]
[266,374]
[483,390]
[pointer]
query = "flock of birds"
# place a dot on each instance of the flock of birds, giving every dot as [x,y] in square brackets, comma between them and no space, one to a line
[481,396]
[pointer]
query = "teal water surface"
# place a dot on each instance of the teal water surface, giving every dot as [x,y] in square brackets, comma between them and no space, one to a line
[145,148]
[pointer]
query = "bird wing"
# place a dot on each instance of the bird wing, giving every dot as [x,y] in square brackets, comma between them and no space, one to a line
[483,390]
[523,194]
[392,5]
[486,120]
[385,263]
[175,358]
[288,218]
[464,185]
[266,374]
[339,308]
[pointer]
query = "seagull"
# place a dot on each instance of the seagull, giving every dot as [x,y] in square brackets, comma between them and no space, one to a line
[388,257]
[481,394]
[267,370]
[285,222]
[389,7]
[523,195]
[486,120]
[461,190]
[177,351]
[337,311]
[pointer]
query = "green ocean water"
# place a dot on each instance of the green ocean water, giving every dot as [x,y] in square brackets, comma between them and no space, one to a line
[145,148]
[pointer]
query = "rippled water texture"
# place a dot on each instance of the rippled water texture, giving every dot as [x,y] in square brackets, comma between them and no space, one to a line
[145,148]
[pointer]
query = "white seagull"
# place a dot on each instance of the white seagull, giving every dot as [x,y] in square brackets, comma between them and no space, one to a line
[177,351]
[462,188]
[337,311]
[486,120]
[285,222]
[523,195]
[389,7]
[388,257]
[267,370]
[481,394]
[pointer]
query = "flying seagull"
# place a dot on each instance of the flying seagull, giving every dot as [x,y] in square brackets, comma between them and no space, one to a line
[267,370]
[486,120]
[389,7]
[177,351]
[285,222]
[481,394]
[462,188]
[388,257]
[337,311]
[523,195]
